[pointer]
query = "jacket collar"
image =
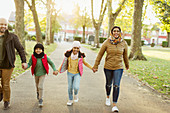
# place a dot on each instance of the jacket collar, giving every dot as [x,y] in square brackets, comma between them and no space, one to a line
[7,36]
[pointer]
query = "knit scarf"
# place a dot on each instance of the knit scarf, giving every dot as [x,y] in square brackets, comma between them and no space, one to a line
[74,57]
[115,41]
[38,55]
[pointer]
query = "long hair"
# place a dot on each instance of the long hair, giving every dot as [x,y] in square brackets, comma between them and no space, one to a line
[68,54]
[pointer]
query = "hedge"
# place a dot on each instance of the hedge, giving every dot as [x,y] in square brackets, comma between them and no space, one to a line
[129,42]
[102,39]
[76,38]
[164,44]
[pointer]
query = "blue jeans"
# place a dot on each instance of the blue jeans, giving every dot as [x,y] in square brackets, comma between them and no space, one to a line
[73,82]
[113,76]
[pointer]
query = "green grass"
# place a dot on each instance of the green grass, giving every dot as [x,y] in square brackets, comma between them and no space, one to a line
[29,49]
[155,71]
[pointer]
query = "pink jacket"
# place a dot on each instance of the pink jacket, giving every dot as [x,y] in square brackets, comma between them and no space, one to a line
[64,65]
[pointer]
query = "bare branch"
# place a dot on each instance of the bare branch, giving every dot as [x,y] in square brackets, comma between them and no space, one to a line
[28,4]
[94,22]
[119,8]
[101,7]
[102,15]
[43,2]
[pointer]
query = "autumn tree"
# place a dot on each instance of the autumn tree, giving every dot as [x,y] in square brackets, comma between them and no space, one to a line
[125,18]
[162,9]
[36,21]
[98,22]
[112,16]
[136,50]
[19,21]
[81,19]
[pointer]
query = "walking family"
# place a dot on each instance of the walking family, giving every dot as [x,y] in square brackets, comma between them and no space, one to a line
[116,52]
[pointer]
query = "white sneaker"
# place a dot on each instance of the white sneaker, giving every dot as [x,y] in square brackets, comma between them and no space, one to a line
[70,102]
[76,99]
[115,109]
[40,103]
[108,102]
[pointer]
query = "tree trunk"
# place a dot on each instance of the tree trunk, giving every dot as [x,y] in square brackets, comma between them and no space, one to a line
[47,36]
[136,51]
[51,30]
[96,40]
[112,16]
[168,39]
[19,23]
[36,22]
[83,41]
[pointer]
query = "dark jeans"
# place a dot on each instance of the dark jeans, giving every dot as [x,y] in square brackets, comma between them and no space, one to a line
[113,76]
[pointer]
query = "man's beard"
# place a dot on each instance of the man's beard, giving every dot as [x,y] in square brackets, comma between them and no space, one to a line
[2,30]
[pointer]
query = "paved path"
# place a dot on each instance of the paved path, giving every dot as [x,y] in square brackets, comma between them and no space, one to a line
[134,98]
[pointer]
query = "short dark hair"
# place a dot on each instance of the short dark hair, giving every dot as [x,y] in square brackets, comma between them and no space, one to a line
[115,27]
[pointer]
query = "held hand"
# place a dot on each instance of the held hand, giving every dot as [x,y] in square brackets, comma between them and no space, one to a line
[94,70]
[55,73]
[24,66]
[127,68]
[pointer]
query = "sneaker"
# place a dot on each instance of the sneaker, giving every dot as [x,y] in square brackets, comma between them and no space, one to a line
[38,95]
[40,102]
[115,109]
[6,105]
[1,96]
[108,102]
[70,102]
[76,99]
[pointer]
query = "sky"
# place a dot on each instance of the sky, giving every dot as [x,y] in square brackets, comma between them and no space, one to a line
[67,6]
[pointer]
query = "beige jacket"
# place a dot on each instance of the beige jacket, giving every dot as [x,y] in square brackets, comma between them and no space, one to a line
[115,54]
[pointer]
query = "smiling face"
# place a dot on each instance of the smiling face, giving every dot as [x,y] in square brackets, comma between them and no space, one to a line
[38,50]
[116,33]
[76,50]
[3,25]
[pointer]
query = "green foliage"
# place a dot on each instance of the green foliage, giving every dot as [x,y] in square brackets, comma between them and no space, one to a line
[80,18]
[33,38]
[142,42]
[10,28]
[128,41]
[162,9]
[77,38]
[164,44]
[125,18]
[153,44]
[43,36]
[102,39]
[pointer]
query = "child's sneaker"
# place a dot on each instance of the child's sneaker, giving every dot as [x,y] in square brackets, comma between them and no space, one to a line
[38,95]
[108,102]
[40,102]
[115,109]
[76,99]
[70,102]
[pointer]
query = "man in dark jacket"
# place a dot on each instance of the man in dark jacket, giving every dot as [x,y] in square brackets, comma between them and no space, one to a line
[8,43]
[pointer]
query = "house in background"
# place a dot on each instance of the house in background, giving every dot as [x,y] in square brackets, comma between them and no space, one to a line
[157,36]
[68,32]
[11,19]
